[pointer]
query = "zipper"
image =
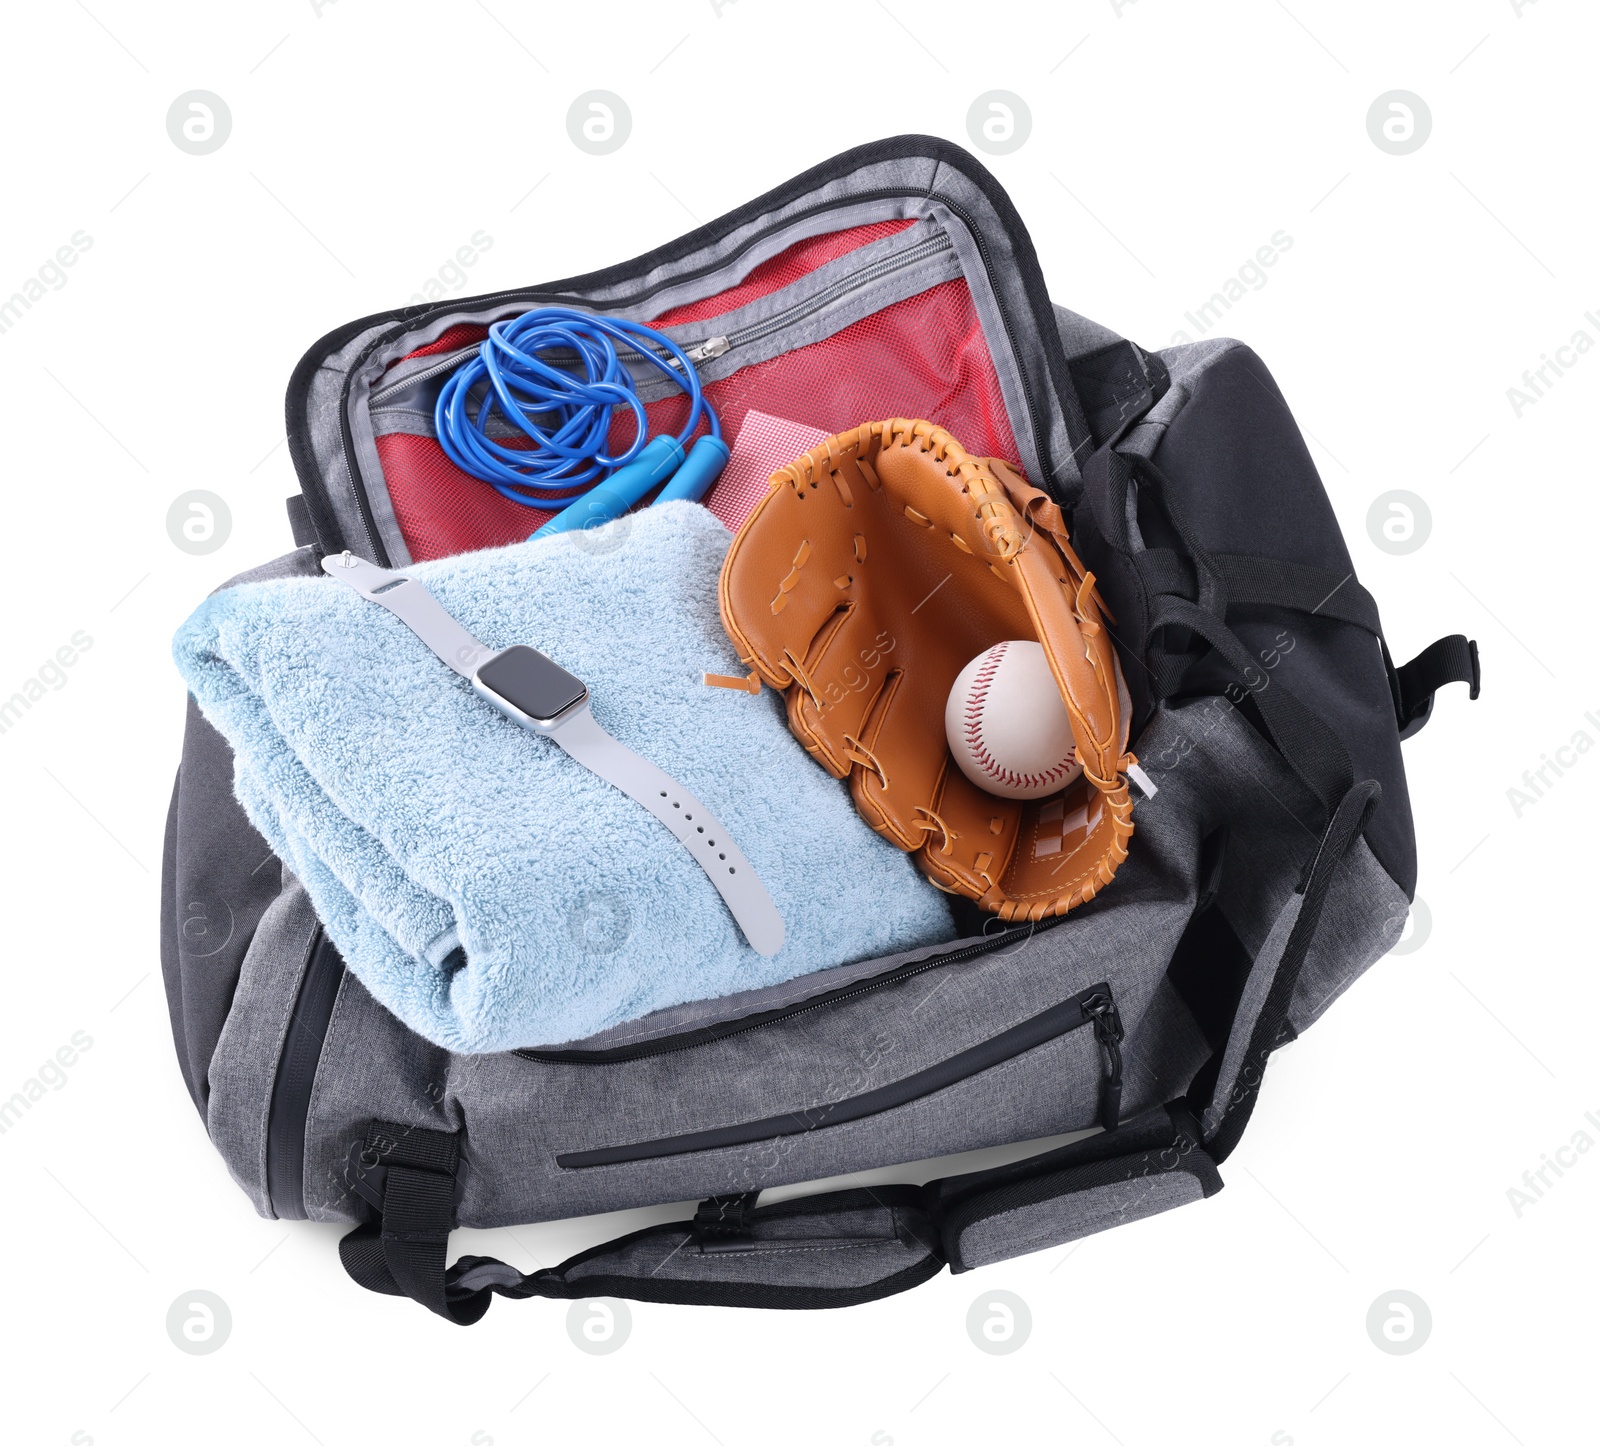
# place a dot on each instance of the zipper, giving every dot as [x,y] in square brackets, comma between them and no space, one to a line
[713,1033]
[1042,1028]
[297,1072]
[447,362]
[380,554]
[716,346]
[1102,1010]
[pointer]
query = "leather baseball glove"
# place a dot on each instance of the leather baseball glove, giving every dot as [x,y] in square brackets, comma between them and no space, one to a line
[877,565]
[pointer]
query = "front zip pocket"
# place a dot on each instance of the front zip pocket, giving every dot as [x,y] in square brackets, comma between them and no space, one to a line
[1093,1006]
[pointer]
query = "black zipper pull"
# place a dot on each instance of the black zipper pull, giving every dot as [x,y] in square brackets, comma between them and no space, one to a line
[1102,1011]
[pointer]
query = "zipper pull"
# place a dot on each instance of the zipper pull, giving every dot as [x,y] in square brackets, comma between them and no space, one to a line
[1102,1011]
[705,350]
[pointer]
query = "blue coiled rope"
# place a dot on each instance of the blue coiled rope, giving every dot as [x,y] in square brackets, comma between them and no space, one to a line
[567,414]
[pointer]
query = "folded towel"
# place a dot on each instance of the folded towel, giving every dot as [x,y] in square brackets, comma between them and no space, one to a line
[484,886]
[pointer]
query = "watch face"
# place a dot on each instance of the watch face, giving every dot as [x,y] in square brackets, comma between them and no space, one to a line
[531,683]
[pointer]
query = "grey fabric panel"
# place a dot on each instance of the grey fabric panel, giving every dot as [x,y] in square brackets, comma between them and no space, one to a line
[246,1060]
[217,875]
[733,256]
[1166,1046]
[991,295]
[1079,335]
[372,1067]
[301,562]
[1362,919]
[327,446]
[1010,293]
[519,1114]
[1071,1217]
[1274,823]
[835,1251]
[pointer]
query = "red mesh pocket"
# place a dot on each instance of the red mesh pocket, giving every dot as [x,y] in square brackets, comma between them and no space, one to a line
[784,269]
[923,357]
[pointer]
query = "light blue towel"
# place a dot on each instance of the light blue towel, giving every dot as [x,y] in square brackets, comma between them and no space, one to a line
[419,818]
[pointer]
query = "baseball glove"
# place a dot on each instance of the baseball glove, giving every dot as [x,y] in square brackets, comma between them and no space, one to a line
[876,566]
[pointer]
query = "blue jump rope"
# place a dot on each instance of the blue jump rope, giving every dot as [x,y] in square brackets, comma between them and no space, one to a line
[576,408]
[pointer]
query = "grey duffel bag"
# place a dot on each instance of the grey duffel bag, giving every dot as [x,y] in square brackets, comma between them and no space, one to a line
[1273,858]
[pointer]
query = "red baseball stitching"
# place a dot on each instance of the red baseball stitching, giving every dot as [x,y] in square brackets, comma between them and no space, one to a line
[974,733]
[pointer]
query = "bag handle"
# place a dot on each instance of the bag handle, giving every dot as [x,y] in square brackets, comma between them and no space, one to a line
[815,1252]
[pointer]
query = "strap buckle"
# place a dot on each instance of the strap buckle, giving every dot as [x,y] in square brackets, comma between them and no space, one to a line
[722,1223]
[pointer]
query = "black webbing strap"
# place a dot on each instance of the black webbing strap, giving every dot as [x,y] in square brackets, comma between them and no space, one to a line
[1272,1027]
[1263,582]
[1449,660]
[1314,591]
[402,1252]
[1312,748]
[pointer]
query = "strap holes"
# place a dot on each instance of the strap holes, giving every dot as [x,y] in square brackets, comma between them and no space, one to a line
[675,802]
[723,857]
[732,870]
[699,828]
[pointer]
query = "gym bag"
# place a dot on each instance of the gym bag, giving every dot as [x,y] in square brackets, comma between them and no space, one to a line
[1272,861]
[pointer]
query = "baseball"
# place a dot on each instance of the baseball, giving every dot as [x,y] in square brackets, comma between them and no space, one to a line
[1007,726]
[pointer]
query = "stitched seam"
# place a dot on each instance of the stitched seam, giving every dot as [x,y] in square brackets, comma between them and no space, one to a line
[974,733]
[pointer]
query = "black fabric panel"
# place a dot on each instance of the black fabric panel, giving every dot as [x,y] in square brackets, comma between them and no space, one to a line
[1293,585]
[301,527]
[1117,384]
[1247,484]
[171,972]
[1208,969]
[218,876]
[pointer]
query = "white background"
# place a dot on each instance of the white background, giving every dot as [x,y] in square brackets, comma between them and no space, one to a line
[1167,144]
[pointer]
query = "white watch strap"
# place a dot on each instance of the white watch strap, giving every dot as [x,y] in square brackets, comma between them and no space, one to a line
[689,820]
[691,823]
[415,606]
